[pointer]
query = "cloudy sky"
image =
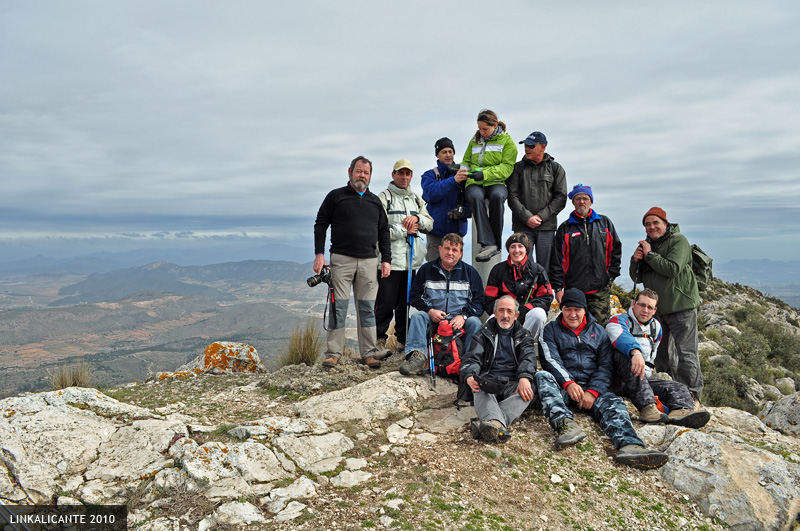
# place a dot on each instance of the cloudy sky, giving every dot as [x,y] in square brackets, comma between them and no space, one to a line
[139,121]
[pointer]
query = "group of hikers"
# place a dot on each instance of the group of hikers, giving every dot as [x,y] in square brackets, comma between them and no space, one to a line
[582,359]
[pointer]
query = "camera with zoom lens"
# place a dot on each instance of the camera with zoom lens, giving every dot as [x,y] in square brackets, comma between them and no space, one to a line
[453,168]
[324,276]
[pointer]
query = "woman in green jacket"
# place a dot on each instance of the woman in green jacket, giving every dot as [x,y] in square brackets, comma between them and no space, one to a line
[490,159]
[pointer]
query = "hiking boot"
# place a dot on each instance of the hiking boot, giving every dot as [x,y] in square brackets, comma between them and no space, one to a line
[372,363]
[697,405]
[640,457]
[689,418]
[400,348]
[651,414]
[568,432]
[475,428]
[329,362]
[486,253]
[417,364]
[494,431]
[381,352]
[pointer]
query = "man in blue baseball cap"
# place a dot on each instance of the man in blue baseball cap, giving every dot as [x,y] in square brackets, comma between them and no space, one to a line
[537,192]
[587,254]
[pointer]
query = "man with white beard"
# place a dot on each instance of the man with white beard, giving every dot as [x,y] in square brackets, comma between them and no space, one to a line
[498,369]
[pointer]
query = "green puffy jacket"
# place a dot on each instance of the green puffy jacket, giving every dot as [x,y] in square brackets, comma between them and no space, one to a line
[496,158]
[669,273]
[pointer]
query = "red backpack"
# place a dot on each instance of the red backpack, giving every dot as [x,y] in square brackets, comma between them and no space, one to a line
[448,347]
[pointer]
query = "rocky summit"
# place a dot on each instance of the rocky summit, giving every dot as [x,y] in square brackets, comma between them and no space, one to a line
[296,450]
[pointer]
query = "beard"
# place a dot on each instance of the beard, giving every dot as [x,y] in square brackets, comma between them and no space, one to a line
[582,211]
[505,324]
[359,184]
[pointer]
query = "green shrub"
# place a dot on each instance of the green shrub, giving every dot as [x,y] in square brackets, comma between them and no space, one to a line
[305,345]
[77,375]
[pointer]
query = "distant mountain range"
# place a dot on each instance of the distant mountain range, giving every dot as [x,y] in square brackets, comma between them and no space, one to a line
[771,277]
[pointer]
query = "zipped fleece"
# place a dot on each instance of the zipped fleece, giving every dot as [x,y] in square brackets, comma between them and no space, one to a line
[669,272]
[482,351]
[587,253]
[585,358]
[457,292]
[400,203]
[534,190]
[495,158]
[442,197]
[527,283]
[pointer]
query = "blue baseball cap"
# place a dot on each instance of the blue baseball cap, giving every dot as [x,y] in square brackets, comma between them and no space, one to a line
[535,138]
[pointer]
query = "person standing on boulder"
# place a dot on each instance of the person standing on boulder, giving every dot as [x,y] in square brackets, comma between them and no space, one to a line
[407,217]
[358,223]
[587,254]
[537,192]
[663,263]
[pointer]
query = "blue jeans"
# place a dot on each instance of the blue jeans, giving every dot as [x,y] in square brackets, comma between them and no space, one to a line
[417,335]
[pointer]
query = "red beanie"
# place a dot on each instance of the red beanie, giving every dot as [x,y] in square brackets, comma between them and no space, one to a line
[656,211]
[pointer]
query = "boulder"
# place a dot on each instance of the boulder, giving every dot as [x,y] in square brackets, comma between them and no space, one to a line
[783,415]
[306,451]
[250,460]
[223,357]
[785,385]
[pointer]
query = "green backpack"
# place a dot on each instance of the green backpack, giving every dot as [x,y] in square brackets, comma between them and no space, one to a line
[701,267]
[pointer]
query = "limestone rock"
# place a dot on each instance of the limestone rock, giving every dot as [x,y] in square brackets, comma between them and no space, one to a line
[161,524]
[300,489]
[271,427]
[786,385]
[722,360]
[292,511]
[237,513]
[350,478]
[377,398]
[783,415]
[212,461]
[223,357]
[305,451]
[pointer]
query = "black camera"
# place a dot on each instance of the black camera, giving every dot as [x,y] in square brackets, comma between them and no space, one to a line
[324,276]
[459,212]
[453,168]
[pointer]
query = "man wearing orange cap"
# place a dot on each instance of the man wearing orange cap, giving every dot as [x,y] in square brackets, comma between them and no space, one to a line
[663,263]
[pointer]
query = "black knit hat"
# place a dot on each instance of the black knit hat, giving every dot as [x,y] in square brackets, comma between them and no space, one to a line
[442,143]
[574,298]
[518,237]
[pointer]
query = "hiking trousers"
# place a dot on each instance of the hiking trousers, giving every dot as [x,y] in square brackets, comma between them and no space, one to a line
[608,410]
[677,353]
[359,273]
[674,395]
[392,303]
[505,407]
[542,243]
[489,226]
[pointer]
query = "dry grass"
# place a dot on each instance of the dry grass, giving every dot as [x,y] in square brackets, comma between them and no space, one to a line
[305,345]
[78,375]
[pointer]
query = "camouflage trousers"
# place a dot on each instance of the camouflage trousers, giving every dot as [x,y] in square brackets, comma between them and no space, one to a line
[608,410]
[599,305]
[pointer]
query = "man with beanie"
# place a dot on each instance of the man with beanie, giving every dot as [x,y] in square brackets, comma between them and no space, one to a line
[407,217]
[577,362]
[587,254]
[443,191]
[663,263]
[537,192]
[498,369]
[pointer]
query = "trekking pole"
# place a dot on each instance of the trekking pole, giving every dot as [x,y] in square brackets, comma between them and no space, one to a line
[408,289]
[431,363]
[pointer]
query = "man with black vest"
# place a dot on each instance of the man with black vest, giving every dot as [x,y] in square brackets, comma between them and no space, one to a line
[358,223]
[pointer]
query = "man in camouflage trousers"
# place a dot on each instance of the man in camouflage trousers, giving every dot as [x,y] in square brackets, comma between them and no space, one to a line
[578,363]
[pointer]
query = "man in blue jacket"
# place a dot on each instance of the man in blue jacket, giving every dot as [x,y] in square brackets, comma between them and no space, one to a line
[445,289]
[577,359]
[443,191]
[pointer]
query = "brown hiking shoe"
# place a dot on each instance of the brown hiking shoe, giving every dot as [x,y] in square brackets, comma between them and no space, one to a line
[329,362]
[494,431]
[568,432]
[381,352]
[651,414]
[640,457]
[372,363]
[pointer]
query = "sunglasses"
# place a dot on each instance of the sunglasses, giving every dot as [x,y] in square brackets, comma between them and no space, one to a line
[646,306]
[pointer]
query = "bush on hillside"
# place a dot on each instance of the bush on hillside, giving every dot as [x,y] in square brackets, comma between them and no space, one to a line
[305,345]
[77,375]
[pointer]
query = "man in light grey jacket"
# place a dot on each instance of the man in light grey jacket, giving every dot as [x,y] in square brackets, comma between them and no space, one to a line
[407,218]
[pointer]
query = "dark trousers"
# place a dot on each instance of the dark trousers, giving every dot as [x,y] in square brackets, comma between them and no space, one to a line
[677,353]
[489,226]
[672,394]
[542,242]
[391,303]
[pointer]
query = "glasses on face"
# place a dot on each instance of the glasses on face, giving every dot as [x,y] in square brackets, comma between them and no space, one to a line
[645,306]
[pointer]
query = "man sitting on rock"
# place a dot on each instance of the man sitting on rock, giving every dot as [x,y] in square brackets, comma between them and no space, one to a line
[499,368]
[577,359]
[445,289]
[635,336]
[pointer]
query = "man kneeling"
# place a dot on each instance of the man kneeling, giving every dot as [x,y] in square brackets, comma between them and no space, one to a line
[498,368]
[577,359]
